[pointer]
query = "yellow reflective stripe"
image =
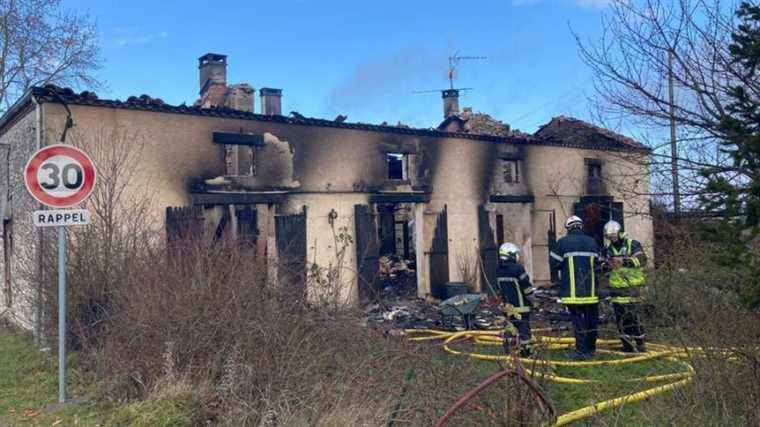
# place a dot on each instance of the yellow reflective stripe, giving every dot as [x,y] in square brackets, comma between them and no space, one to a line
[528,291]
[625,300]
[582,300]
[636,262]
[521,309]
[571,268]
[519,295]
[593,278]
[614,251]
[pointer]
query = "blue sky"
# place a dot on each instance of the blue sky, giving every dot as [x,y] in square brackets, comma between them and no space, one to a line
[362,59]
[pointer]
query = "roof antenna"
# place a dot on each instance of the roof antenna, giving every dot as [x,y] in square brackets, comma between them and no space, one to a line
[453,63]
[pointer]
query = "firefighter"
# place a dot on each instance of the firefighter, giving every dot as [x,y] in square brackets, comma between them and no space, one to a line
[576,257]
[625,260]
[515,287]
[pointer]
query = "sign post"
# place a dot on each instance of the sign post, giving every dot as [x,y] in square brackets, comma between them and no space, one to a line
[60,176]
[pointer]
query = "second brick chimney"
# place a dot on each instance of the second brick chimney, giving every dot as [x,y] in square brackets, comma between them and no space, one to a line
[271,101]
[450,102]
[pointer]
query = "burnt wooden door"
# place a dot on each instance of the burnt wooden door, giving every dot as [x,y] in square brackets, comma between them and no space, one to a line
[551,241]
[489,251]
[439,256]
[367,249]
[290,232]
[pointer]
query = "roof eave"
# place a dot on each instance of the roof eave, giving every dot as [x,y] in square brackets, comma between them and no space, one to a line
[16,108]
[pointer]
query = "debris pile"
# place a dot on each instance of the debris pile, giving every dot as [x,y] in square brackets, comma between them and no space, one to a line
[396,314]
[397,308]
[397,278]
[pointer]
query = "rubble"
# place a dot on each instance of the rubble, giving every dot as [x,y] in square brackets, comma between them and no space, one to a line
[397,309]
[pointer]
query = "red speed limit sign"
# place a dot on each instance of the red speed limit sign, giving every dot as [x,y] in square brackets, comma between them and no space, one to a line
[60,176]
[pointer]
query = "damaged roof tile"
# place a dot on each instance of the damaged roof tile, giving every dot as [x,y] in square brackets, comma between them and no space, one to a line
[487,128]
[571,130]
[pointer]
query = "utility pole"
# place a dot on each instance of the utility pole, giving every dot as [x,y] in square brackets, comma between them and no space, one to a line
[673,144]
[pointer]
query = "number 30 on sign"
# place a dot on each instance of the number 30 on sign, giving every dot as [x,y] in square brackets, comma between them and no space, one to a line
[60,176]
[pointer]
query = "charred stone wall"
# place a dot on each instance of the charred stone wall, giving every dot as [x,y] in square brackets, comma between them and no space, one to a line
[335,168]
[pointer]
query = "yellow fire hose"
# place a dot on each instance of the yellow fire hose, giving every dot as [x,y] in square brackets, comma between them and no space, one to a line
[658,351]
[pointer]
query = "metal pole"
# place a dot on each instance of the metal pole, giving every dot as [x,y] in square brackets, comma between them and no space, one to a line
[673,146]
[61,314]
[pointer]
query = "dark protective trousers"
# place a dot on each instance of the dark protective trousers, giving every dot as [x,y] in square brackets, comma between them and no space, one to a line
[629,325]
[523,330]
[586,324]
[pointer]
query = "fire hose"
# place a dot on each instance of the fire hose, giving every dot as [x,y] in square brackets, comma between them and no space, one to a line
[529,365]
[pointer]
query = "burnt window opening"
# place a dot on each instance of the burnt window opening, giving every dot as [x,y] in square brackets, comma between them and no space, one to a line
[594,176]
[500,229]
[594,171]
[398,166]
[511,171]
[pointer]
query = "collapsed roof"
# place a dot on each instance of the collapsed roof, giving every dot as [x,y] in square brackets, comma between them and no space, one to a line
[561,131]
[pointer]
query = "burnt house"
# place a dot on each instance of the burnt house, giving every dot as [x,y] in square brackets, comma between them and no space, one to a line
[284,182]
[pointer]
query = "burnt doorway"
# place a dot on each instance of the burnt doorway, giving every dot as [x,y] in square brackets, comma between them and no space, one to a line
[439,256]
[367,249]
[397,260]
[290,232]
[489,248]
[595,211]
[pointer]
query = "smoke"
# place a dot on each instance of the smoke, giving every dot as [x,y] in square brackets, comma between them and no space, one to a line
[376,85]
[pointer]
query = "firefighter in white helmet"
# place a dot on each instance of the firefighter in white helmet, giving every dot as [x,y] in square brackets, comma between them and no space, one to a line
[576,257]
[625,259]
[515,287]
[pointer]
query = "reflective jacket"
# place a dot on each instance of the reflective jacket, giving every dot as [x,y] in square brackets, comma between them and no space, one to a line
[631,274]
[576,256]
[514,285]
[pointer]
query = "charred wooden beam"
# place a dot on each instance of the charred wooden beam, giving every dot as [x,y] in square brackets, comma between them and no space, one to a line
[400,198]
[498,198]
[230,198]
[227,138]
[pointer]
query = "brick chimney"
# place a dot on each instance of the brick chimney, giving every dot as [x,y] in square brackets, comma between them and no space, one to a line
[240,97]
[450,102]
[213,70]
[271,101]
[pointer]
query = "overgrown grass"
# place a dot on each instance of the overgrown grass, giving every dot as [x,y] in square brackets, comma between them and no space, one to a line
[29,393]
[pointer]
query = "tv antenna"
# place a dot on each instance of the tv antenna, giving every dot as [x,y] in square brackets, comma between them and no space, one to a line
[453,63]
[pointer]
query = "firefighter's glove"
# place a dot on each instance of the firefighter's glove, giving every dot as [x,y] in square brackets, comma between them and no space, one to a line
[616,262]
[510,312]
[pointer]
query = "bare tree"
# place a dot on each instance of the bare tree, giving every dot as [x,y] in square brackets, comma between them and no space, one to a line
[643,41]
[41,42]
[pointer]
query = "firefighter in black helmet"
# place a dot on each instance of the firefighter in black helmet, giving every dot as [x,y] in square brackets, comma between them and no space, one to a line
[576,257]
[514,285]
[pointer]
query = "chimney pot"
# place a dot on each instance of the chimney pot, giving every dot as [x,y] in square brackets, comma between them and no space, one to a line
[271,101]
[213,69]
[450,102]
